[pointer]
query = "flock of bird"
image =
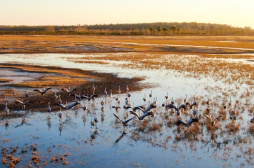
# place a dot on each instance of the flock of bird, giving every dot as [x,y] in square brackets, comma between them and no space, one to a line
[134,110]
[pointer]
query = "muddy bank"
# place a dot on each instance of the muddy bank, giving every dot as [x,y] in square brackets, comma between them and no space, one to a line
[38,102]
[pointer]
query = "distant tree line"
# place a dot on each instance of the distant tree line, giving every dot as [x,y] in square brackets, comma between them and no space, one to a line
[157,29]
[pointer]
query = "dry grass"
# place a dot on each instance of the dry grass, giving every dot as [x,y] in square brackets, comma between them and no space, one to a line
[251,128]
[38,69]
[5,80]
[51,81]
[232,127]
[81,44]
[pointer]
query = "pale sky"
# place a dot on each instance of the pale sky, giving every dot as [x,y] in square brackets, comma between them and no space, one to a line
[238,13]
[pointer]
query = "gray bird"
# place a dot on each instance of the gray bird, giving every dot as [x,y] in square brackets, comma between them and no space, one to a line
[116,107]
[6,109]
[68,107]
[141,117]
[69,90]
[123,122]
[49,108]
[42,91]
[22,103]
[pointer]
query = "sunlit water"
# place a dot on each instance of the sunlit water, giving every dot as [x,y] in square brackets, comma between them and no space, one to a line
[136,148]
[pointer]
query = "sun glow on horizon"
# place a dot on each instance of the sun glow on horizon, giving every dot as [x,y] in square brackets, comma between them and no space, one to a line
[66,12]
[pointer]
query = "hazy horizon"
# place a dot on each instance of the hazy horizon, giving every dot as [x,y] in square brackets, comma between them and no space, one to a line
[66,12]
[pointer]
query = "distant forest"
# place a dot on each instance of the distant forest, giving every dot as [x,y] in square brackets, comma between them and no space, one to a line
[156,29]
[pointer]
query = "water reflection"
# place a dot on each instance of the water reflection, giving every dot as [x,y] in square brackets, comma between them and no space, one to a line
[157,136]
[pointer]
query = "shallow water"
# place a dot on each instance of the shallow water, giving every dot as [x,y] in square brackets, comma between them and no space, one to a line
[136,148]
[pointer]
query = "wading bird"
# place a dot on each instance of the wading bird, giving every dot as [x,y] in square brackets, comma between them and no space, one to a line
[119,90]
[6,109]
[127,89]
[49,108]
[105,91]
[22,103]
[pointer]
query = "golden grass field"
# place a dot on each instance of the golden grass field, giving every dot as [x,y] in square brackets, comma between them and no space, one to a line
[95,44]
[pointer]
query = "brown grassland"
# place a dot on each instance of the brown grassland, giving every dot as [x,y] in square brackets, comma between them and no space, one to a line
[98,44]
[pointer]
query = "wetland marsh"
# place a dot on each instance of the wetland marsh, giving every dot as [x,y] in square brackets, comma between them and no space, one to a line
[216,69]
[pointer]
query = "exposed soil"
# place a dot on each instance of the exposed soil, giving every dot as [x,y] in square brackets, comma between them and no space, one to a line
[37,102]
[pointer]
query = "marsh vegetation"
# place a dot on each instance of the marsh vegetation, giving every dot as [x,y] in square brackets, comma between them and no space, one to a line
[217,71]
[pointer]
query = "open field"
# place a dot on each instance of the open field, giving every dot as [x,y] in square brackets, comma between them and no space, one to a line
[214,71]
[102,44]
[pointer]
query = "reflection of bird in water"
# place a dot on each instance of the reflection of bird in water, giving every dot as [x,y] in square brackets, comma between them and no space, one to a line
[84,119]
[49,123]
[211,119]
[6,124]
[102,117]
[119,138]
[22,123]
[6,109]
[60,115]
[42,91]
[124,122]
[60,128]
